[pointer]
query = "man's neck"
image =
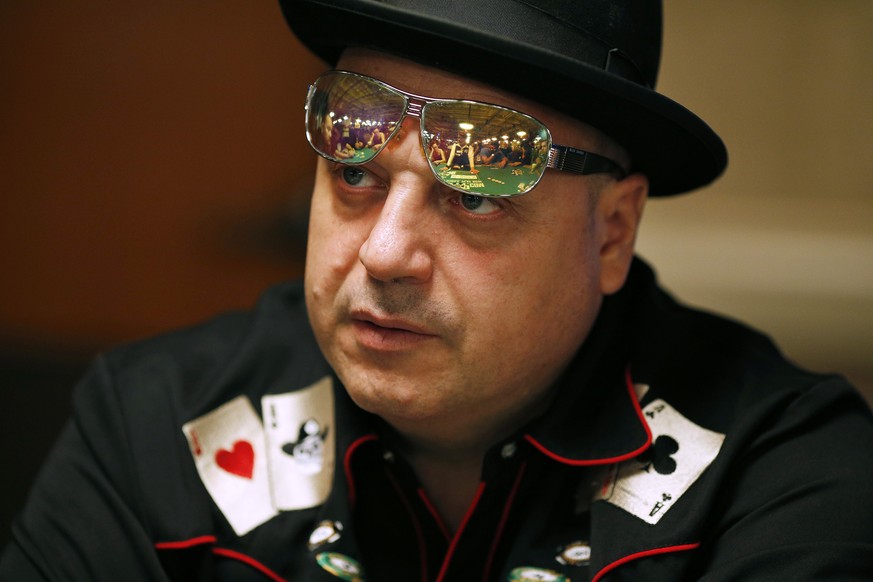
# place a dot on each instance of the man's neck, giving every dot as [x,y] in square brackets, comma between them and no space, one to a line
[449,479]
[447,454]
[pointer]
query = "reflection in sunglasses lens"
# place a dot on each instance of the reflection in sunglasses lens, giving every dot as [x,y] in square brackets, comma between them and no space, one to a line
[475,147]
[349,118]
[484,149]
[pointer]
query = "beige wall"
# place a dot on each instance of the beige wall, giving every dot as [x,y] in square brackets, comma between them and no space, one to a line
[152,164]
[784,239]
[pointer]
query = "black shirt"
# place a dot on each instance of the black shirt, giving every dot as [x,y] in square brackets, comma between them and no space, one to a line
[680,446]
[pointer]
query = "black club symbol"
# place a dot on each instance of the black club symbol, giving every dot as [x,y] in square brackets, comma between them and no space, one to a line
[658,455]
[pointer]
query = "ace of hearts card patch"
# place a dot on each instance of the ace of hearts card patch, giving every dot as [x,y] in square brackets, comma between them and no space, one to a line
[230,454]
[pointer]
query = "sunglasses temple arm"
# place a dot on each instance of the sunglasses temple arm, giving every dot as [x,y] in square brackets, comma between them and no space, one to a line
[576,161]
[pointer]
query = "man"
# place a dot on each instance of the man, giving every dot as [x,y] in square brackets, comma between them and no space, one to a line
[491,156]
[469,385]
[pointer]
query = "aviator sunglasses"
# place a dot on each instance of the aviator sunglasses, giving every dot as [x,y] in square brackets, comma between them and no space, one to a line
[473,147]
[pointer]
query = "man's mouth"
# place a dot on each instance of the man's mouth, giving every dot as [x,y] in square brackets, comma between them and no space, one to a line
[388,334]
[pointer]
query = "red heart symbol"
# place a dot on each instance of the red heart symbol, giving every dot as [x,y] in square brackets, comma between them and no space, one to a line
[240,460]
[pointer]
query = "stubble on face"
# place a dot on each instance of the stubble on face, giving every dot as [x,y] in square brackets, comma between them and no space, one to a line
[507,306]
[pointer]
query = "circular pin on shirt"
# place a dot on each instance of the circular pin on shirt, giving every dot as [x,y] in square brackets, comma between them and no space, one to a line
[325,532]
[575,554]
[341,566]
[528,574]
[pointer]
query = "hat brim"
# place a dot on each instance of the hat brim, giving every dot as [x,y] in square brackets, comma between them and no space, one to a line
[674,148]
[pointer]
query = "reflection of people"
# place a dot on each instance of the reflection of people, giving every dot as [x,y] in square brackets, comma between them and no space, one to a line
[377,139]
[437,155]
[347,138]
[461,157]
[491,156]
[334,138]
[496,389]
[516,156]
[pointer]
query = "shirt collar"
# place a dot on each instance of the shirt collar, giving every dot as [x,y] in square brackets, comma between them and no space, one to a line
[595,418]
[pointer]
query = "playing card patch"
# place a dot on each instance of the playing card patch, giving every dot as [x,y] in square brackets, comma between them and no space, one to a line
[308,450]
[229,451]
[300,445]
[649,485]
[658,456]
[239,460]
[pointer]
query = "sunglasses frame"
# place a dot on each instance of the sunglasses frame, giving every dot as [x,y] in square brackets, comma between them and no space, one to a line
[563,158]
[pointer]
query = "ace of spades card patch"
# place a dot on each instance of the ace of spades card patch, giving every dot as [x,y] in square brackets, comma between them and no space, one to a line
[650,484]
[300,445]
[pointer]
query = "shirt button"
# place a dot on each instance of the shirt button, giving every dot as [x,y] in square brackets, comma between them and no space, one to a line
[388,456]
[508,450]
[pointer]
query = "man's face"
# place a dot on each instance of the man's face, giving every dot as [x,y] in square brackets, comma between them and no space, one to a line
[441,309]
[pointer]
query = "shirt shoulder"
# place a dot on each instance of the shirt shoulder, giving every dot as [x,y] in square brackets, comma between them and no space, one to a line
[230,353]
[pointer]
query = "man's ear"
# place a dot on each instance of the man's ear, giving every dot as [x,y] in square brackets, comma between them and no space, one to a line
[619,211]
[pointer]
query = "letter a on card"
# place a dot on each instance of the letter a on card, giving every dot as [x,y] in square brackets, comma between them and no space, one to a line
[228,448]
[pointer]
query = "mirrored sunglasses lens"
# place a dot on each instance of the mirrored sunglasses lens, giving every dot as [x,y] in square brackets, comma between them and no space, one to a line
[348,118]
[484,149]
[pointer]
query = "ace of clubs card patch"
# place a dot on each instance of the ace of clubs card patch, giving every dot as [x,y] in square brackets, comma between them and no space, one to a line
[650,484]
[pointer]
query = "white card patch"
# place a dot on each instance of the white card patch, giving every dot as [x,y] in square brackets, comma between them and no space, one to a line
[649,485]
[300,445]
[230,454]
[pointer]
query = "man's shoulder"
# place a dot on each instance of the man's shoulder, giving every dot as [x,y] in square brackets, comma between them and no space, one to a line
[231,353]
[277,307]
[132,408]
[720,369]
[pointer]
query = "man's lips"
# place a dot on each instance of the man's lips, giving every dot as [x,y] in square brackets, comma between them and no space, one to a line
[387,333]
[390,323]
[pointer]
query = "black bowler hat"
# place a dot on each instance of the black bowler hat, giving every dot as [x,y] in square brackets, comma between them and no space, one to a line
[596,60]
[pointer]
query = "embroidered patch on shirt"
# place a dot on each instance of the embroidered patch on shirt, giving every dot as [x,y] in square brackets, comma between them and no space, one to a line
[300,445]
[650,484]
[228,449]
[252,469]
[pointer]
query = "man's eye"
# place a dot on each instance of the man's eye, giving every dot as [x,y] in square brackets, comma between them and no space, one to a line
[478,204]
[353,176]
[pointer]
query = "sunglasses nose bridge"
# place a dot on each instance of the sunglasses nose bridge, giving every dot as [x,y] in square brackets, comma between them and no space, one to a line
[414,108]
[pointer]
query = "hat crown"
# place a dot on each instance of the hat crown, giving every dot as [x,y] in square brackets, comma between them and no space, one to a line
[621,37]
[628,30]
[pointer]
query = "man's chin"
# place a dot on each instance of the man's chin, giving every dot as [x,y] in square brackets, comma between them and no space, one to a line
[391,395]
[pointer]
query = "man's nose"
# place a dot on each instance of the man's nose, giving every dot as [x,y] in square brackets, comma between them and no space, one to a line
[400,244]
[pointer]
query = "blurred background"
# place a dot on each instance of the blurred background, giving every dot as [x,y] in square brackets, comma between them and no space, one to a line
[153,172]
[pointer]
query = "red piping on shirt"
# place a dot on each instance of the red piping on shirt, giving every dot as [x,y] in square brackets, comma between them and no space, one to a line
[347,464]
[458,533]
[223,552]
[182,544]
[419,534]
[503,519]
[610,460]
[249,561]
[667,550]
[436,514]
